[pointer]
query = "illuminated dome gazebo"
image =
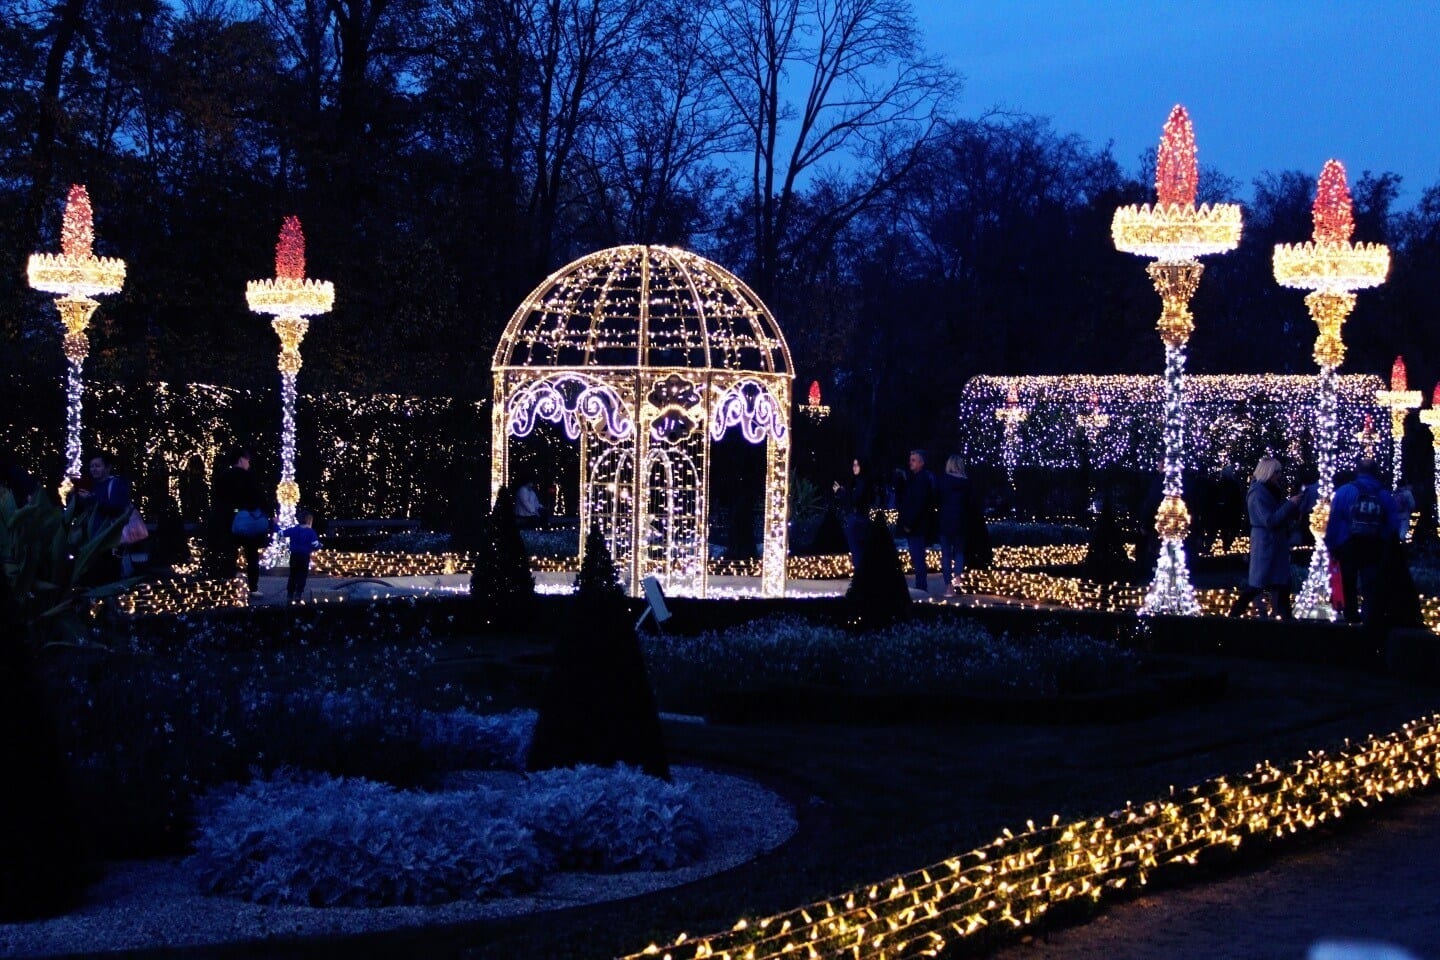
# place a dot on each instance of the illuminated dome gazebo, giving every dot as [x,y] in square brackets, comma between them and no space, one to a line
[645,354]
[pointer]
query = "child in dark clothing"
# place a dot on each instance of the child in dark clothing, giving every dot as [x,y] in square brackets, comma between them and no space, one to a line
[303,542]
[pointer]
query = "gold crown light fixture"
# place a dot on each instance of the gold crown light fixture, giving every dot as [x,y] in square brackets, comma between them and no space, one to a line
[78,276]
[1173,233]
[290,299]
[1332,269]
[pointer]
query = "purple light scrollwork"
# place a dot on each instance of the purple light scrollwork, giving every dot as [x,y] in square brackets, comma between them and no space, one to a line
[567,400]
[749,405]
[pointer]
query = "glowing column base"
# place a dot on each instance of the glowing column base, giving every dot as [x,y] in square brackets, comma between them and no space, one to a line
[1436,449]
[1313,602]
[75,313]
[287,493]
[1171,592]
[74,405]
[1431,419]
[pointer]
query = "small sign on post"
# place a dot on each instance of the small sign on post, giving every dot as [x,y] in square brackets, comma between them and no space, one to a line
[654,603]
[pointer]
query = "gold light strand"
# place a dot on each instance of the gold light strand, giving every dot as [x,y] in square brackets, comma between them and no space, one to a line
[1013,881]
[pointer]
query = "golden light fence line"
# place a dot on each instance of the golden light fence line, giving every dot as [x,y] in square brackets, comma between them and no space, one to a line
[156,597]
[994,587]
[1016,879]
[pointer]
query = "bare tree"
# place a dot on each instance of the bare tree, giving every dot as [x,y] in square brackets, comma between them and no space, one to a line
[582,53]
[649,167]
[832,88]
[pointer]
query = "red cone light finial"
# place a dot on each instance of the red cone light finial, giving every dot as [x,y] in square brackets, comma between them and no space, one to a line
[1398,379]
[1435,397]
[77,231]
[1334,222]
[1177,173]
[814,393]
[290,251]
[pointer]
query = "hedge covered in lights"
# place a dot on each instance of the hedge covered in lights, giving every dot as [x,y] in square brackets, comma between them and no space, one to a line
[1233,419]
[358,456]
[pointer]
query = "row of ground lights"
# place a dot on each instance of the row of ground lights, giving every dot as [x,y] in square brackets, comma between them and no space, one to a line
[1029,588]
[1016,879]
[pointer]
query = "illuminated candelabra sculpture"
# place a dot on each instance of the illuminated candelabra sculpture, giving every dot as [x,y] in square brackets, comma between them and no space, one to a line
[78,276]
[1401,400]
[1012,415]
[1173,233]
[1431,419]
[1332,268]
[290,299]
[814,409]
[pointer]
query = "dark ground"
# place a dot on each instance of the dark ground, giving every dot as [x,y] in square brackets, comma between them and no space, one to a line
[874,801]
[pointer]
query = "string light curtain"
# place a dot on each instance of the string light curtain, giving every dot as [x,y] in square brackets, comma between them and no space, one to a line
[1236,418]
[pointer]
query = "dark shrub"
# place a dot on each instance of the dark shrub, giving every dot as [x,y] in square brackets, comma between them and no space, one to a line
[1106,560]
[40,858]
[501,586]
[878,595]
[598,706]
[598,580]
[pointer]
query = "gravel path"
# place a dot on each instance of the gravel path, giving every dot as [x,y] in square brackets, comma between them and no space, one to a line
[147,904]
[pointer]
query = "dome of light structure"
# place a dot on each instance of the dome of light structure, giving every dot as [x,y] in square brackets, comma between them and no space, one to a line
[644,355]
[644,306]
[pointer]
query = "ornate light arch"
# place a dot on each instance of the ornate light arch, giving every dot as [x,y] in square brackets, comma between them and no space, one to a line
[660,352]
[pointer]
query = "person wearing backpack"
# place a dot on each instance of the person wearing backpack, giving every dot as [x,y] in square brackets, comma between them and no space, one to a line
[1362,527]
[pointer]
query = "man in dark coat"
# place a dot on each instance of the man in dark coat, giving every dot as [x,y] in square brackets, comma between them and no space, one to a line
[917,514]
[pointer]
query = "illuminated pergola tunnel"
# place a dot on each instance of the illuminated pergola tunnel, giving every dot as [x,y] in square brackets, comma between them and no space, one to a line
[645,355]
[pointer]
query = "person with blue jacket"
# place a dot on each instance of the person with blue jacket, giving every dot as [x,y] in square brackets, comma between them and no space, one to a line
[1362,527]
[303,542]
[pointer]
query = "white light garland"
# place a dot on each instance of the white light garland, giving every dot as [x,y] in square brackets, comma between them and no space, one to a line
[1232,418]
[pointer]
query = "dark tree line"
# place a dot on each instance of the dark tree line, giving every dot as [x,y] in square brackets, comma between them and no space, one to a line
[445,155]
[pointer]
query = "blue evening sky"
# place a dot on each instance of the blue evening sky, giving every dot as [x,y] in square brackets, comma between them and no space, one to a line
[1269,84]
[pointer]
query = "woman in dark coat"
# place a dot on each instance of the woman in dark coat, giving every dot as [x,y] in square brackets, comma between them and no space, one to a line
[1272,514]
[855,499]
[954,492]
